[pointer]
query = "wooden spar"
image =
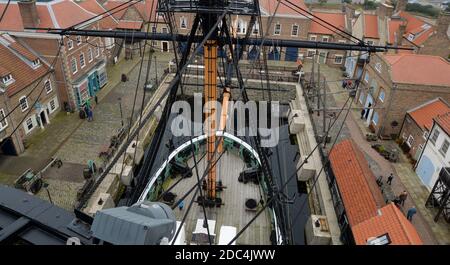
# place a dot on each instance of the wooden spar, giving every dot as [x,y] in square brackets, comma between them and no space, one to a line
[223,116]
[210,95]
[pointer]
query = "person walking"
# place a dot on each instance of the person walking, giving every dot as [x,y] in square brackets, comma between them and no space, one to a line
[403,197]
[390,178]
[363,111]
[411,212]
[96,99]
[181,205]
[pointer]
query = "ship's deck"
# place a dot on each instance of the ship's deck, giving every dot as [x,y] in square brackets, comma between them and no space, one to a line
[233,212]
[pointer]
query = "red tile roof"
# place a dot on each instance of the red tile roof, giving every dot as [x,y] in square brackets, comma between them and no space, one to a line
[124,24]
[424,114]
[354,180]
[21,71]
[419,69]
[145,8]
[55,14]
[268,7]
[390,221]
[108,21]
[371,26]
[414,25]
[444,122]
[336,19]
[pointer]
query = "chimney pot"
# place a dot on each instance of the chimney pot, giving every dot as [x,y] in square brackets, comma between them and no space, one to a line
[29,14]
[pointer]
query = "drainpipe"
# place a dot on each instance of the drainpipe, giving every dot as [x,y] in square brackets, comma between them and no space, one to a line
[391,97]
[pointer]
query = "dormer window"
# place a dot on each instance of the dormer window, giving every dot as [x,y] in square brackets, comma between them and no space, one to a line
[7,80]
[410,37]
[36,63]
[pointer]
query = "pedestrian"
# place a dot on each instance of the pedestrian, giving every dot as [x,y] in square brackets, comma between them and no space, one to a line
[397,202]
[390,178]
[96,99]
[181,205]
[90,115]
[411,212]
[403,197]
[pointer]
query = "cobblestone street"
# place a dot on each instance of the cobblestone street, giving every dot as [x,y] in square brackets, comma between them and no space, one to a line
[405,178]
[75,141]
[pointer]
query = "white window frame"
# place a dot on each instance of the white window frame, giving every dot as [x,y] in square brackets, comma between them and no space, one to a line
[255,30]
[7,79]
[4,122]
[51,110]
[82,61]
[29,119]
[70,44]
[97,52]
[435,133]
[164,30]
[90,55]
[79,41]
[425,134]
[72,64]
[338,56]
[183,20]
[310,56]
[410,141]
[275,29]
[444,153]
[22,105]
[366,77]
[313,37]
[325,38]
[49,86]
[382,92]
[375,114]
[296,31]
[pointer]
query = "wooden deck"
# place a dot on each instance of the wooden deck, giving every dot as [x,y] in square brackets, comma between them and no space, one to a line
[233,213]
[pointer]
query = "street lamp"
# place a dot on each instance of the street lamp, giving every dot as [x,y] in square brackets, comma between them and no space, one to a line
[120,108]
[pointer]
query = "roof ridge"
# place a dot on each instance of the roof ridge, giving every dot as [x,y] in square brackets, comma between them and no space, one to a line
[402,224]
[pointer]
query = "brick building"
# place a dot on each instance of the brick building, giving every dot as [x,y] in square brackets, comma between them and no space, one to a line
[417,125]
[80,69]
[27,91]
[364,216]
[439,43]
[392,84]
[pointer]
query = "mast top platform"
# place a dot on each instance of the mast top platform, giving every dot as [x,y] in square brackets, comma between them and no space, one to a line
[236,7]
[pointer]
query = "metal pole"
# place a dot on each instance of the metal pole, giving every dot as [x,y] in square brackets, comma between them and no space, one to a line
[120,108]
[324,101]
[156,73]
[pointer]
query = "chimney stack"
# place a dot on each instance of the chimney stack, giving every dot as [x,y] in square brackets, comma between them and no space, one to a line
[385,10]
[29,14]
[443,23]
[401,5]
[399,34]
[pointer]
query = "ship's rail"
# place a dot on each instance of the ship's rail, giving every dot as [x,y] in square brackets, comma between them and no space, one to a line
[236,7]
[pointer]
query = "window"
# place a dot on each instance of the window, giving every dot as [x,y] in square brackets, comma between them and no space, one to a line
[90,55]
[48,86]
[313,38]
[74,65]
[311,53]
[338,59]
[375,118]
[23,103]
[425,134]
[325,38]
[444,148]
[36,63]
[29,124]
[78,40]
[70,44]
[277,29]
[97,51]
[378,67]
[255,29]
[370,42]
[410,140]
[4,122]
[164,30]
[154,29]
[241,27]
[434,136]
[300,56]
[366,77]
[183,23]
[380,240]
[294,31]
[53,105]
[7,79]
[382,95]
[82,62]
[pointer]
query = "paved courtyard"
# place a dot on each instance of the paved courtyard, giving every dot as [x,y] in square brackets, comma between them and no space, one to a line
[405,178]
[75,141]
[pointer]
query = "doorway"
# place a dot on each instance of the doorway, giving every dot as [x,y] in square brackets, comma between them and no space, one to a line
[43,118]
[165,46]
